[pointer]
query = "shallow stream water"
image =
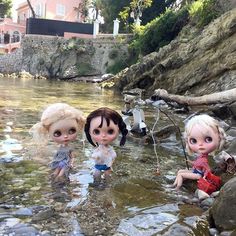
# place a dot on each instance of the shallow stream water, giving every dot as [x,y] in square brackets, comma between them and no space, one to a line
[136,202]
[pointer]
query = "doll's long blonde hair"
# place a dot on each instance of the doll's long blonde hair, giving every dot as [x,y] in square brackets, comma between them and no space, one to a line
[52,114]
[206,122]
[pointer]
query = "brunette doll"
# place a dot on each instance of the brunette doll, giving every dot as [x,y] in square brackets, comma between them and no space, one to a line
[102,127]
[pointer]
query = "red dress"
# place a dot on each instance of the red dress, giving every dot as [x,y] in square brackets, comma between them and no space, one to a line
[200,165]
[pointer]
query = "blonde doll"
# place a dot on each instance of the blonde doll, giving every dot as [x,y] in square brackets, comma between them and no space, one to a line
[203,135]
[61,123]
[102,128]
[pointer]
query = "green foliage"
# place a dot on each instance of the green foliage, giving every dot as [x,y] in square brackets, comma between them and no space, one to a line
[116,67]
[5,8]
[156,9]
[83,8]
[137,7]
[159,32]
[110,10]
[202,12]
[76,44]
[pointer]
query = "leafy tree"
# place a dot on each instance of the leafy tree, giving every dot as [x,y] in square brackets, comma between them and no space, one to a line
[110,11]
[83,8]
[137,7]
[155,10]
[5,8]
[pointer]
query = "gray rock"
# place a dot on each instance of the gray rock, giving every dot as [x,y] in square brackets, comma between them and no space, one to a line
[224,208]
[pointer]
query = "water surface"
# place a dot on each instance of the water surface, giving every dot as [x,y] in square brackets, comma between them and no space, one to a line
[137,202]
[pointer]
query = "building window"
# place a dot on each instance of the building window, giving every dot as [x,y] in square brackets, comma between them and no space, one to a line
[15,37]
[60,10]
[39,10]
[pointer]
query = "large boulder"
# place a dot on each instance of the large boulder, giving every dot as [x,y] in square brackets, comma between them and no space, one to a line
[223,211]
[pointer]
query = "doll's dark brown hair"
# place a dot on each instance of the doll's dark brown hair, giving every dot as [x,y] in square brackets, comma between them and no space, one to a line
[108,114]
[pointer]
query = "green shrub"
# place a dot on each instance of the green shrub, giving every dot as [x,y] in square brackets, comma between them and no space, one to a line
[160,31]
[202,12]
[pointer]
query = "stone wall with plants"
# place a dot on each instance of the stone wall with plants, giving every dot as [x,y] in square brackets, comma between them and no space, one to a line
[60,58]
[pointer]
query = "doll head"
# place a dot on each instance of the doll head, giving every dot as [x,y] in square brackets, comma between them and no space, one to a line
[203,135]
[103,126]
[60,122]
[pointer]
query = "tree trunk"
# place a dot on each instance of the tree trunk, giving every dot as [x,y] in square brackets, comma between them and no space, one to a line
[32,9]
[214,98]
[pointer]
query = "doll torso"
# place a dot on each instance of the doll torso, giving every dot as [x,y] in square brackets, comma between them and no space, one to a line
[104,155]
[62,155]
[201,164]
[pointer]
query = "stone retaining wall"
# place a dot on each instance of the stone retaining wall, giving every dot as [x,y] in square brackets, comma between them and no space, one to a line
[57,57]
[11,62]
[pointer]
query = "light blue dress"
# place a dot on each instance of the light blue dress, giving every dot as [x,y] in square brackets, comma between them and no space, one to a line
[62,158]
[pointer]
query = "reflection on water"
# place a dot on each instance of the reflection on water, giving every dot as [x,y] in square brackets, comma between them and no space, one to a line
[137,198]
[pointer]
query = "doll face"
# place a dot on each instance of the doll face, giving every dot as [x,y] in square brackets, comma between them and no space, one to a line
[203,141]
[105,134]
[64,131]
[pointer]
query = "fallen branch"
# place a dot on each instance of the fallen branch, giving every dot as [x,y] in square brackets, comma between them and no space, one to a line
[214,98]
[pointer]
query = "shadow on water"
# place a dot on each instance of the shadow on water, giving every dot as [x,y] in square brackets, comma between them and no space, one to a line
[135,202]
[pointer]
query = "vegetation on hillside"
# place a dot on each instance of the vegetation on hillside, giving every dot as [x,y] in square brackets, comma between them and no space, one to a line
[166,27]
[112,9]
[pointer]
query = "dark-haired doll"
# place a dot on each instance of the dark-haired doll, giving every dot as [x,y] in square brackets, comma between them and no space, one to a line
[102,128]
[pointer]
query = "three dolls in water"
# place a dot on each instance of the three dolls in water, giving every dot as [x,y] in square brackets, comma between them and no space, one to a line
[61,123]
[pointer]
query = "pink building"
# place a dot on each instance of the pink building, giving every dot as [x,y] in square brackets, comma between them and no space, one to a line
[10,35]
[51,9]
[64,10]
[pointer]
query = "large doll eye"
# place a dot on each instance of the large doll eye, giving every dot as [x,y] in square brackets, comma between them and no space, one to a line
[96,131]
[208,139]
[192,140]
[72,130]
[57,133]
[110,131]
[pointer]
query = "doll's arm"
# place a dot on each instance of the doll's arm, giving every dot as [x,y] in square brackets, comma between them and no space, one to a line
[96,156]
[113,157]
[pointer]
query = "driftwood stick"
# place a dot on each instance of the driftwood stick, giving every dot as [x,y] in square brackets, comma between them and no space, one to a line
[214,98]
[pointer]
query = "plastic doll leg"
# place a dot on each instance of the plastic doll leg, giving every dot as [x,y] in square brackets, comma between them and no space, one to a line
[61,172]
[108,173]
[56,172]
[96,178]
[107,177]
[97,174]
